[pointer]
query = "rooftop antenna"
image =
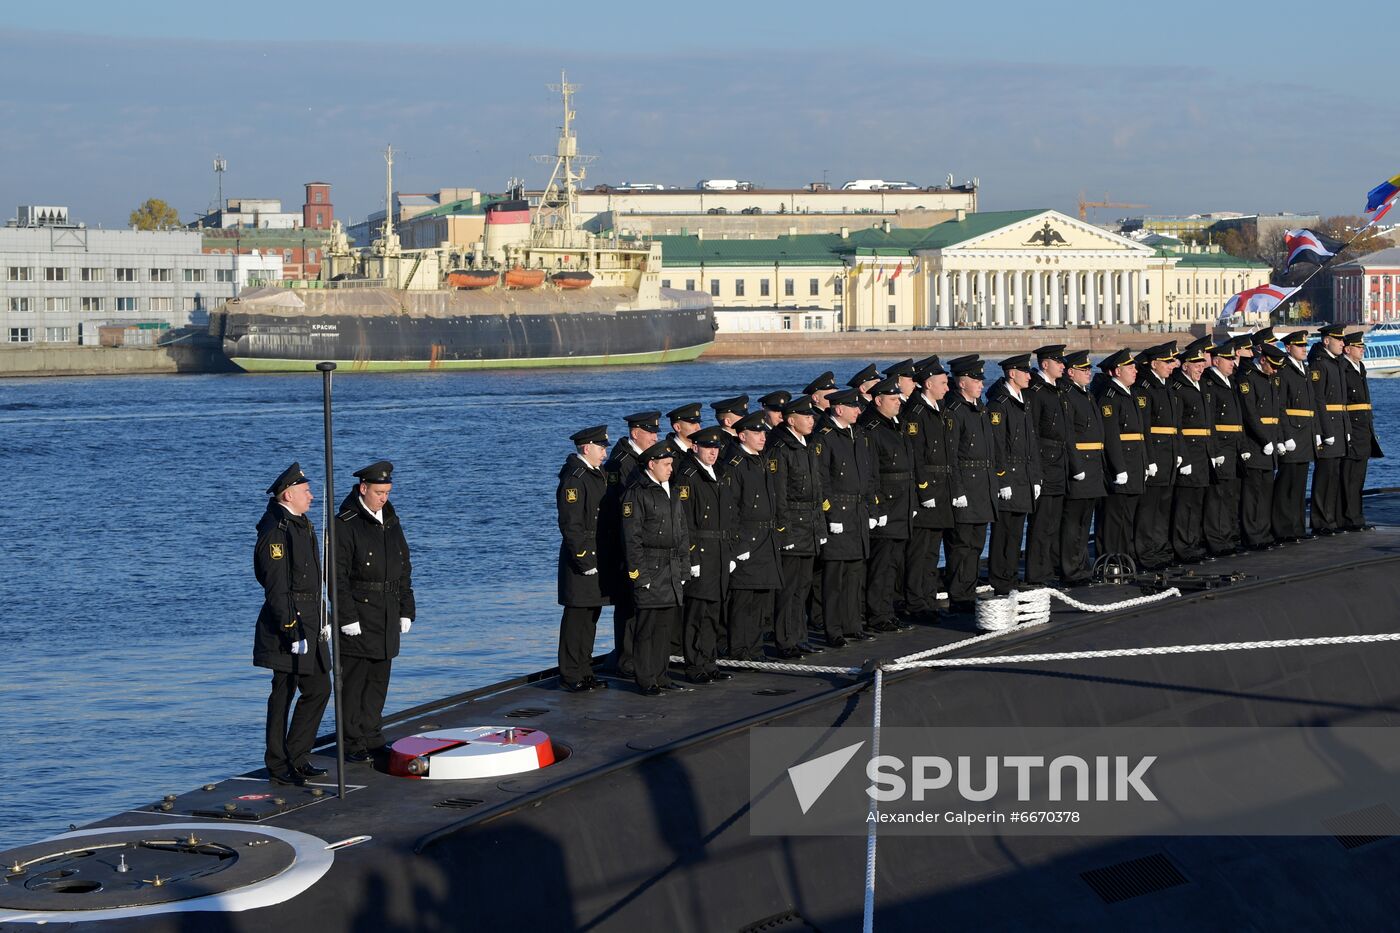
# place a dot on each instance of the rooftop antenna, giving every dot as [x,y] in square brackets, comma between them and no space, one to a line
[388,192]
[558,209]
[220,166]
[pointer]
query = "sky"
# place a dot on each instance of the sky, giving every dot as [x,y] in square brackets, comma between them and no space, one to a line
[1184,107]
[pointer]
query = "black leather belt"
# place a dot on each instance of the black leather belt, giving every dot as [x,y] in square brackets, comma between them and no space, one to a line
[752,524]
[936,468]
[707,535]
[306,594]
[984,464]
[841,499]
[897,475]
[389,586]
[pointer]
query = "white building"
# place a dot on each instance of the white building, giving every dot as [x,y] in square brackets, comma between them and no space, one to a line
[59,283]
[257,213]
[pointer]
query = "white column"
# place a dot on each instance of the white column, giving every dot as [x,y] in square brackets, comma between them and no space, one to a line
[1002,281]
[981,307]
[945,299]
[1124,296]
[1073,318]
[1018,302]
[1037,296]
[1057,310]
[964,296]
[1108,297]
[1091,298]
[1136,314]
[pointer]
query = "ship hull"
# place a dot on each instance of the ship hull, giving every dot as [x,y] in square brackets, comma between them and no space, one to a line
[401,342]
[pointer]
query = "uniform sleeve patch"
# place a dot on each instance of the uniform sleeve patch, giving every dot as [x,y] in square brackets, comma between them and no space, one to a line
[1316,376]
[772,466]
[626,510]
[913,428]
[826,505]
[996,417]
[818,449]
[949,422]
[1108,411]
[683,492]
[924,484]
[612,478]
[633,574]
[570,494]
[1244,388]
[276,551]
[1142,401]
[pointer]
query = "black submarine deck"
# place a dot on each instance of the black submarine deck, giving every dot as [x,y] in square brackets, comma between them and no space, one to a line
[644,826]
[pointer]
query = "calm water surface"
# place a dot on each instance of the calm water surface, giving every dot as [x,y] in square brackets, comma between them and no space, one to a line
[127,577]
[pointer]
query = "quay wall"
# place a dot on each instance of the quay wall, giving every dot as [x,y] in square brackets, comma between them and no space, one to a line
[945,343]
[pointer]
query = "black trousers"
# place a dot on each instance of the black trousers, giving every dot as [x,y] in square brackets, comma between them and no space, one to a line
[884,577]
[287,748]
[841,596]
[651,644]
[921,577]
[1256,507]
[1290,486]
[1074,539]
[968,539]
[814,600]
[1117,524]
[1327,494]
[1043,538]
[701,635]
[366,685]
[1353,481]
[577,629]
[1188,534]
[750,615]
[1004,555]
[1221,522]
[1152,527]
[790,611]
[624,630]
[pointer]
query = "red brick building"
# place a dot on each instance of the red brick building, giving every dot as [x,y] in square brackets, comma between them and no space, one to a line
[318,212]
[1367,290]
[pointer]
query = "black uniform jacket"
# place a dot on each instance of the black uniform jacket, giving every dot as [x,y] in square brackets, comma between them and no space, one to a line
[1047,405]
[973,461]
[1259,412]
[847,471]
[373,579]
[709,517]
[288,567]
[617,470]
[894,474]
[578,500]
[1197,442]
[799,492]
[1299,415]
[755,487]
[1017,449]
[927,432]
[1124,438]
[1226,419]
[1329,394]
[1363,443]
[1086,444]
[1162,422]
[656,544]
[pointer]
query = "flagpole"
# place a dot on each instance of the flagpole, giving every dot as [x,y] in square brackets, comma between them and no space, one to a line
[1324,264]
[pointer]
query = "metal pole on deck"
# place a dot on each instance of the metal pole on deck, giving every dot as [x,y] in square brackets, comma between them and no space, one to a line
[326,369]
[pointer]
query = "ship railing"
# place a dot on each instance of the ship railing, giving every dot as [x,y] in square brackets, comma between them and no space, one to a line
[321,283]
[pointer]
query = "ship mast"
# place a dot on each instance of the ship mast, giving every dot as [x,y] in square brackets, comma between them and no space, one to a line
[388,192]
[558,209]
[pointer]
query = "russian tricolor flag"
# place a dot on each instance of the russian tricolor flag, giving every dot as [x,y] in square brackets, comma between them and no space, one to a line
[1381,198]
[1263,299]
[1306,246]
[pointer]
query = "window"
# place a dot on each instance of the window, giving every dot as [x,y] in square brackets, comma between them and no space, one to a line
[55,304]
[840,284]
[21,335]
[690,285]
[91,274]
[814,287]
[89,304]
[739,288]
[55,274]
[19,304]
[320,196]
[58,334]
[789,288]
[162,275]
[160,304]
[194,304]
[665,283]
[787,322]
[714,287]
[194,275]
[763,290]
[126,304]
[286,255]
[21,274]
[311,257]
[223,275]
[894,314]
[126,275]
[890,288]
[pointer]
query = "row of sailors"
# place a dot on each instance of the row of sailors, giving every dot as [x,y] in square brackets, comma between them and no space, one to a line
[825,512]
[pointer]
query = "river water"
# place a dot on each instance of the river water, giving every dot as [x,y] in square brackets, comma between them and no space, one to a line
[126,578]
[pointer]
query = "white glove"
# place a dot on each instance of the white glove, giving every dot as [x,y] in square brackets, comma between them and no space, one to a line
[732,565]
[1329,441]
[743,556]
[883,520]
[822,541]
[835,528]
[1121,479]
[1217,461]
[873,522]
[299,646]
[928,503]
[646,586]
[1178,461]
[590,572]
[960,502]
[1269,449]
[1245,455]
[326,632]
[1348,438]
[1004,493]
[1035,491]
[1290,445]
[352,629]
[1152,469]
[788,547]
[1078,477]
[695,571]
[1317,440]
[404,625]
[1186,470]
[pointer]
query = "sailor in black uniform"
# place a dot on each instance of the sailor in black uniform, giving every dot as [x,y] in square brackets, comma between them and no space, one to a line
[799,539]
[758,516]
[927,432]
[578,500]
[290,640]
[1197,444]
[1086,480]
[1361,435]
[848,485]
[818,390]
[656,546]
[374,592]
[685,421]
[974,488]
[728,411]
[642,430]
[1259,391]
[862,381]
[1162,422]
[894,489]
[773,404]
[1045,397]
[903,372]
[1125,457]
[1221,522]
[1297,428]
[704,499]
[1017,450]
[1325,371]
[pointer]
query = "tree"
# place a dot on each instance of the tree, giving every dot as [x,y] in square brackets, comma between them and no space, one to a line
[155,214]
[1345,227]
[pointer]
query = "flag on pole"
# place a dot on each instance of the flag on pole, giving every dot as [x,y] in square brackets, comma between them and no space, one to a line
[1306,246]
[897,270]
[918,267]
[880,273]
[1260,300]
[1381,198]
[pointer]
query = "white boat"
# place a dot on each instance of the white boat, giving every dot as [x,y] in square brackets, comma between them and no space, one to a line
[1383,349]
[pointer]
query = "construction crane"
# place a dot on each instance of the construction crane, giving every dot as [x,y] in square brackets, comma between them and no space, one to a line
[1085,205]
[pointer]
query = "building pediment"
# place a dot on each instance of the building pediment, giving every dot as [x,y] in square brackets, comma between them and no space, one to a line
[1049,232]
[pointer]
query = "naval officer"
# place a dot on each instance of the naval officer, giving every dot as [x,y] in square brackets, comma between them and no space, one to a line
[579,500]
[290,640]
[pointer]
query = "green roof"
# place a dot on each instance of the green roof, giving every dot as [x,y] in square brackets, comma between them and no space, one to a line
[903,242]
[1209,260]
[460,207]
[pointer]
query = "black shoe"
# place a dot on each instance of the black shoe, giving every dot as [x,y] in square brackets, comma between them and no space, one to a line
[862,635]
[720,675]
[835,641]
[788,654]
[311,771]
[575,686]
[884,627]
[700,679]
[807,647]
[287,777]
[593,683]
[651,692]
[359,757]
[1366,528]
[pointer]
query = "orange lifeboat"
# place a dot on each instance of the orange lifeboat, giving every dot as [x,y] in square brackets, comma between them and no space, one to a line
[472,278]
[572,279]
[524,278]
